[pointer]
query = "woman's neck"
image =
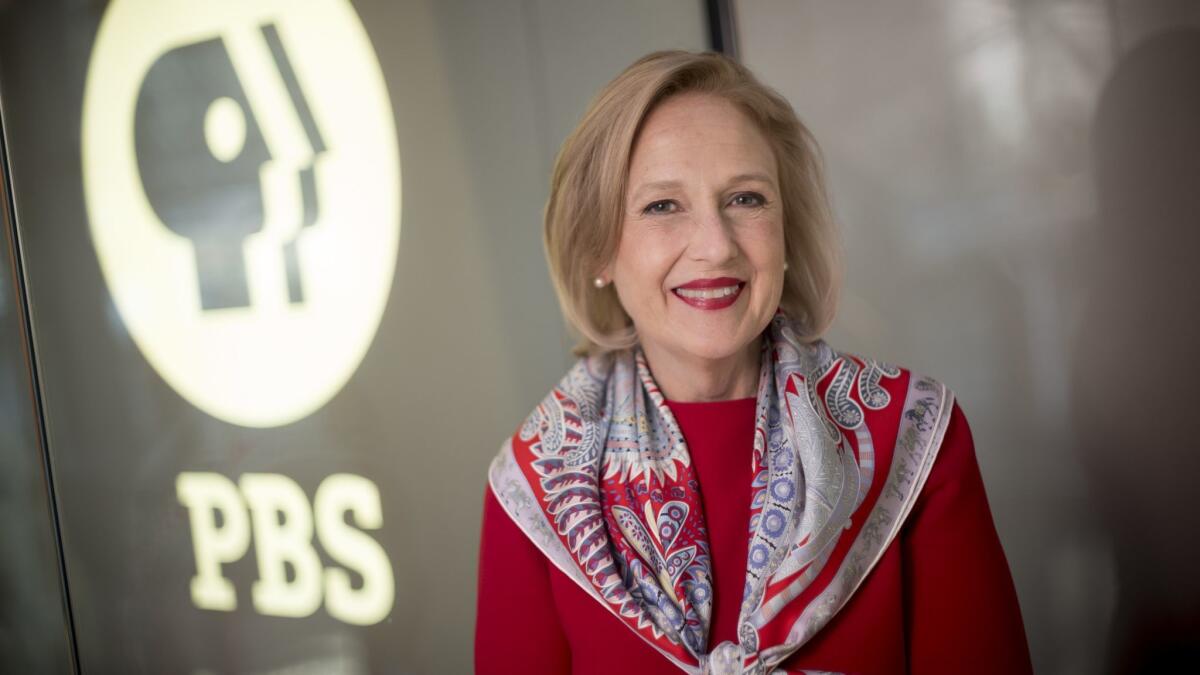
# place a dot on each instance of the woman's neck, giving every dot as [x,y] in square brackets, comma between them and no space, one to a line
[685,378]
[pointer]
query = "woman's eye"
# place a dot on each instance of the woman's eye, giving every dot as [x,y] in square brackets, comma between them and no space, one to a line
[660,207]
[748,199]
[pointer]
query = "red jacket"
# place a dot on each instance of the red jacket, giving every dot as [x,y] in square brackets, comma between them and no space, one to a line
[940,600]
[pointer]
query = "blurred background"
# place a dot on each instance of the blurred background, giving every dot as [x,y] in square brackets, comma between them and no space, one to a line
[261,447]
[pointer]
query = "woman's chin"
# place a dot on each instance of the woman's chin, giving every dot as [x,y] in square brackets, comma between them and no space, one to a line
[717,338]
[712,349]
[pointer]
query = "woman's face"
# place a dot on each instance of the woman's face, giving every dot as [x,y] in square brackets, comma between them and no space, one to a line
[699,267]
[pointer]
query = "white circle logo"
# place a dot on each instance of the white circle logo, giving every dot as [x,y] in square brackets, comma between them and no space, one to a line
[242,180]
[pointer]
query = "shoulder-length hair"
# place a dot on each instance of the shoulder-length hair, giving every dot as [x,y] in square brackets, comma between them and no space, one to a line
[583,215]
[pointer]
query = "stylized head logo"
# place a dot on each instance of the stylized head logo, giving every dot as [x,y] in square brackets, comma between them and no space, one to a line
[243,192]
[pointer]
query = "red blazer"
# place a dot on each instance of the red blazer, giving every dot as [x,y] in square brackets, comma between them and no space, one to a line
[941,599]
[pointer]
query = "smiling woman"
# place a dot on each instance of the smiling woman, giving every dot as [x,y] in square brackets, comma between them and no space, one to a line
[700,264]
[712,488]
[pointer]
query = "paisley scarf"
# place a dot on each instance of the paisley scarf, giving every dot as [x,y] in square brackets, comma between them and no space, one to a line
[599,478]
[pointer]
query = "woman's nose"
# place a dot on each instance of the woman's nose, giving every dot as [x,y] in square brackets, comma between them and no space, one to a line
[712,239]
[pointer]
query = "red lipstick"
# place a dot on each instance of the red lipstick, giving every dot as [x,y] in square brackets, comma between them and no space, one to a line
[716,293]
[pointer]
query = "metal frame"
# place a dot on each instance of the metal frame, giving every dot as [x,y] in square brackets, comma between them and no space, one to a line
[722,27]
[12,248]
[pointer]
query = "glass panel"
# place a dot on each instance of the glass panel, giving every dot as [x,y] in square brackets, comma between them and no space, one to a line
[987,245]
[289,295]
[34,634]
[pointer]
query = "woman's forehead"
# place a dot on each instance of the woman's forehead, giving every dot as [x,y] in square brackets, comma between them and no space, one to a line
[700,130]
[668,165]
[695,115]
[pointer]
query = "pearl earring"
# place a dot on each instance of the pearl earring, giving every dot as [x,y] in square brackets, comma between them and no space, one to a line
[785,266]
[599,282]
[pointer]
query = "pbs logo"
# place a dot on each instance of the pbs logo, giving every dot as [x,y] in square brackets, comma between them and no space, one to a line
[242,183]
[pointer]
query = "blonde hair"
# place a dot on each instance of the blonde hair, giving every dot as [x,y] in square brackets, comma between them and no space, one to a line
[584,212]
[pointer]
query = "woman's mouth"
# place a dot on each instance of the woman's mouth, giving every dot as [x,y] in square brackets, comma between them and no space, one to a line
[710,293]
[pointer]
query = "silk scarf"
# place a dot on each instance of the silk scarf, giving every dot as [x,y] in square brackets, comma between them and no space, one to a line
[599,478]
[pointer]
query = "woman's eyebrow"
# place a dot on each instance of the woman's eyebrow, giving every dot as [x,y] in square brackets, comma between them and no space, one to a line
[653,185]
[745,177]
[669,184]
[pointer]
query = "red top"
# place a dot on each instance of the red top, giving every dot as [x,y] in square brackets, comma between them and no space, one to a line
[940,600]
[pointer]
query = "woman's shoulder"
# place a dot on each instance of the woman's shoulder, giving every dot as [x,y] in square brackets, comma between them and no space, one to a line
[906,419]
[572,409]
[580,390]
[843,373]
[850,386]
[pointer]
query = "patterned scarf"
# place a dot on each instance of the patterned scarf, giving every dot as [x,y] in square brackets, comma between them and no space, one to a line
[600,479]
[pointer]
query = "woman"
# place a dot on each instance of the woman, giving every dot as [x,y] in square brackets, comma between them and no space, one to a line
[690,244]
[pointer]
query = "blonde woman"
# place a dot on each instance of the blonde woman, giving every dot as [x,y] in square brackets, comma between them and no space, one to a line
[712,488]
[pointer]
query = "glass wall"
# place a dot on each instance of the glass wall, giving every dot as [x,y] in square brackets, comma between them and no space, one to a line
[34,619]
[287,296]
[286,281]
[1016,187]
